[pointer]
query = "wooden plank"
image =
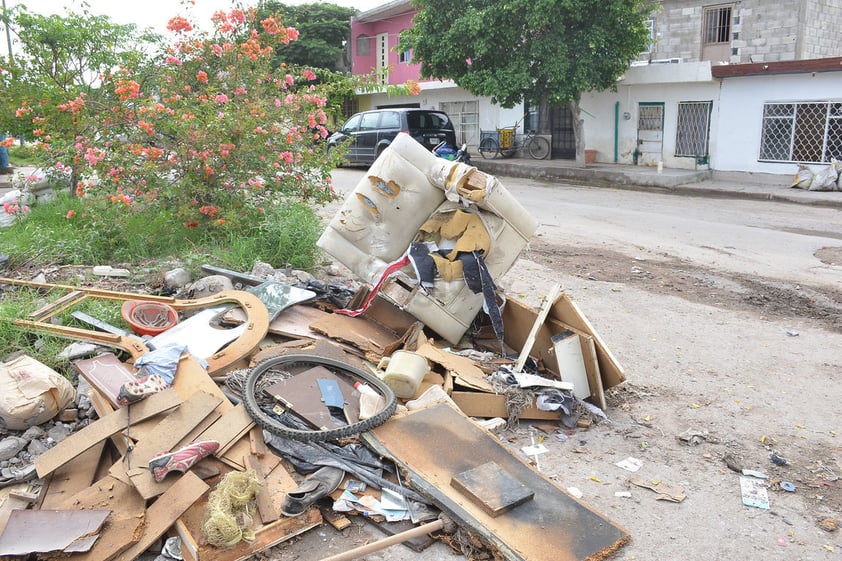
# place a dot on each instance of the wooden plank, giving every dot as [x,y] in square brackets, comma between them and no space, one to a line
[232,426]
[553,525]
[74,476]
[479,404]
[263,499]
[167,436]
[122,528]
[165,511]
[76,443]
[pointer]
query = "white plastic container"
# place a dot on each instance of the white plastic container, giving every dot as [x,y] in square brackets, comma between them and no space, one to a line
[404,372]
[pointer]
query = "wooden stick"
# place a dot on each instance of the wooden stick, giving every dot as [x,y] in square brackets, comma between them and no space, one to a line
[386,542]
[539,321]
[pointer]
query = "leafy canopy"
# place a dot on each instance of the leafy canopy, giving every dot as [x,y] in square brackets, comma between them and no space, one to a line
[325,30]
[528,50]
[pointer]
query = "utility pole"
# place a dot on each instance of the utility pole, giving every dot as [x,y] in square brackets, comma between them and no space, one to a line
[8,35]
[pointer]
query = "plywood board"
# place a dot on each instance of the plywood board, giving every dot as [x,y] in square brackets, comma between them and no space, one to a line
[553,525]
[487,405]
[101,429]
[165,511]
[301,394]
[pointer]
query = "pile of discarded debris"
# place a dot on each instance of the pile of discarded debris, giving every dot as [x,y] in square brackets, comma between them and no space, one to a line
[233,422]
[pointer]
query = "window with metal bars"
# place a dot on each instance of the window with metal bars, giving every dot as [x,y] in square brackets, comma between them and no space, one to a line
[692,133]
[717,27]
[465,117]
[809,132]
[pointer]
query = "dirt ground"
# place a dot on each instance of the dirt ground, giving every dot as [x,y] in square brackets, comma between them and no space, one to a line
[723,372]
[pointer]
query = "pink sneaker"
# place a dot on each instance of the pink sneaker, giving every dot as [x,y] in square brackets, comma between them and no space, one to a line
[182,459]
[134,391]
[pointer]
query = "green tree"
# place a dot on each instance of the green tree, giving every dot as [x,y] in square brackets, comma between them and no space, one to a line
[324,28]
[61,57]
[542,52]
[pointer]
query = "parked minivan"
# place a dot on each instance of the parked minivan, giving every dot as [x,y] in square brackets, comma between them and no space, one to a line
[370,132]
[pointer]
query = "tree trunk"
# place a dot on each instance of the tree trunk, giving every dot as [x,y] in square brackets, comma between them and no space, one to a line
[578,132]
[544,125]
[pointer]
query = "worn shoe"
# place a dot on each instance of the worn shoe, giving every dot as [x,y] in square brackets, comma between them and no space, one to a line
[320,484]
[7,170]
[134,391]
[182,459]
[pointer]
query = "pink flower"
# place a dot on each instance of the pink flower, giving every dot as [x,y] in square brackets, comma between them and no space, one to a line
[70,214]
[173,60]
[221,98]
[308,75]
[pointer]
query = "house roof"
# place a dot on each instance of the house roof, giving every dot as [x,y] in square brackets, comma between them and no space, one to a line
[781,67]
[387,10]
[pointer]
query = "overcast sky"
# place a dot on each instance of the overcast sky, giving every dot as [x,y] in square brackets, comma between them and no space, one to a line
[156,13]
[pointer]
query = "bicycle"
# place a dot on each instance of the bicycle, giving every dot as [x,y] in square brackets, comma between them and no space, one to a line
[506,144]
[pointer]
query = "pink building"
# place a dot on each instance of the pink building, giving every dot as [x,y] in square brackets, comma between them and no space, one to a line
[374,41]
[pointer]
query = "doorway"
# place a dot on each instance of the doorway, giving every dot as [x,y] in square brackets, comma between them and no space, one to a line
[650,134]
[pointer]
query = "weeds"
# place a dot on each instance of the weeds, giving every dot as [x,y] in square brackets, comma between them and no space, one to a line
[62,232]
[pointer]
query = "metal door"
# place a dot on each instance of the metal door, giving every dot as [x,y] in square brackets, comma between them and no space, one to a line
[650,133]
[564,137]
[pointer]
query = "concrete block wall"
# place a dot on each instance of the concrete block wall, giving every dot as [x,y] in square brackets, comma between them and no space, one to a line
[762,30]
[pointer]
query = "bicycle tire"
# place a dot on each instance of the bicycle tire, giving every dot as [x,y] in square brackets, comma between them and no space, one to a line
[509,151]
[488,148]
[267,422]
[538,148]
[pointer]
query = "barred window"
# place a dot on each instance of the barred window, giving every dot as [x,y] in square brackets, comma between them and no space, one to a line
[692,133]
[809,132]
[717,28]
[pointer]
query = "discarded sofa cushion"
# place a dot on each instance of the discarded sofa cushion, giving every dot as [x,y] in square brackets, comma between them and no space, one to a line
[31,393]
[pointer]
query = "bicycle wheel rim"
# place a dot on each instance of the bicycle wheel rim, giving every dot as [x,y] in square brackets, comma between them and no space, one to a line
[488,148]
[267,422]
[539,147]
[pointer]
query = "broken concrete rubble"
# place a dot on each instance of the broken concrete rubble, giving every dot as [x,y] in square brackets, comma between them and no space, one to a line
[105,464]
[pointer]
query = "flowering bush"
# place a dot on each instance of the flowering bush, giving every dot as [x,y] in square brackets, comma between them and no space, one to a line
[213,132]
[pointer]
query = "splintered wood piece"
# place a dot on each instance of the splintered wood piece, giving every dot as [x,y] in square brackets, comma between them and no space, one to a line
[72,477]
[122,528]
[165,511]
[101,429]
[264,500]
[168,432]
[492,488]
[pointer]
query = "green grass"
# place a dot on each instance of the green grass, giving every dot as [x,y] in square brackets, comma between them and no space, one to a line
[147,242]
[20,156]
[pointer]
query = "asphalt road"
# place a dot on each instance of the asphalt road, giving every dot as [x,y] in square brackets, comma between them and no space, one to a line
[767,238]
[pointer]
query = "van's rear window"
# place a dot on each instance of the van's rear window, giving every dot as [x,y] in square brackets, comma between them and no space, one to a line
[418,120]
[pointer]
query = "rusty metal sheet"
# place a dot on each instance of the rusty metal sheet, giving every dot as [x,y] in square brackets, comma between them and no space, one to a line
[70,531]
[434,444]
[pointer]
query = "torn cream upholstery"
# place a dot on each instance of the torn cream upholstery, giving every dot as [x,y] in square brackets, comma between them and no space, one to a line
[411,195]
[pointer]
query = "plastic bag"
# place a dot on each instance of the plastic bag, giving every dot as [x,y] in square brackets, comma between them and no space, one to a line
[31,393]
[803,178]
[825,180]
